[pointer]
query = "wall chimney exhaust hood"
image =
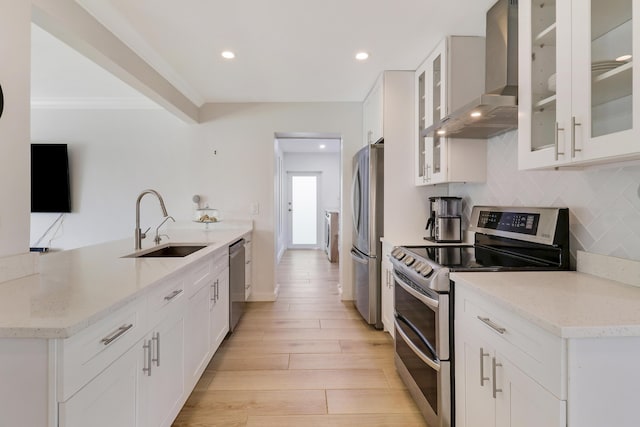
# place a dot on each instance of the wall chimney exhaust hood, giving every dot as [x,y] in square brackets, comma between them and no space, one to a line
[496,111]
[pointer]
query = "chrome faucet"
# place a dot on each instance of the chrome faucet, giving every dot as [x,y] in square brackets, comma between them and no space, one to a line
[158,237]
[139,235]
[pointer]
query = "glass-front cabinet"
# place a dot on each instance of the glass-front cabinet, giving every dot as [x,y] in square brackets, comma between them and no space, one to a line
[577,82]
[441,88]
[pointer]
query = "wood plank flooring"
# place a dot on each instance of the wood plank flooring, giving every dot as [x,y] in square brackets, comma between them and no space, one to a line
[307,359]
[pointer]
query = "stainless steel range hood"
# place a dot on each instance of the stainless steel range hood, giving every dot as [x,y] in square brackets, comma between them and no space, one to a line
[496,111]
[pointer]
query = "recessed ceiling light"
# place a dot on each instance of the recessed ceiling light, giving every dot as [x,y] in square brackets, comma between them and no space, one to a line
[322,146]
[361,56]
[623,58]
[476,114]
[441,132]
[227,54]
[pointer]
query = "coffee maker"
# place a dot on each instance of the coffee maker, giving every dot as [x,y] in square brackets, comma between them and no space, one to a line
[445,219]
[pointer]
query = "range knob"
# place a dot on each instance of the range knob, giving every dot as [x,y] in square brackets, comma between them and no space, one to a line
[418,265]
[397,253]
[425,270]
[408,260]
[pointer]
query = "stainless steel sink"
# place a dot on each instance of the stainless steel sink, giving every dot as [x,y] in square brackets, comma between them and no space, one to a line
[169,251]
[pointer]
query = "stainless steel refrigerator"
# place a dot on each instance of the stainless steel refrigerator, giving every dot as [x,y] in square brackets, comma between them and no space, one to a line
[367,210]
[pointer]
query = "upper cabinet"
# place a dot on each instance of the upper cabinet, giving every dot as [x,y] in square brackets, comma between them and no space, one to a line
[372,113]
[578,87]
[450,77]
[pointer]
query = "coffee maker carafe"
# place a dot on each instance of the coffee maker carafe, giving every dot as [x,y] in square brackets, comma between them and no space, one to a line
[445,219]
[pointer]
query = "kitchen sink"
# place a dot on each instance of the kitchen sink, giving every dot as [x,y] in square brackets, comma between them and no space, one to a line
[170,251]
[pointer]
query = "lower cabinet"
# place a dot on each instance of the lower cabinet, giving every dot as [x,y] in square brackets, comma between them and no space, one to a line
[508,371]
[153,353]
[111,399]
[495,392]
[219,307]
[162,378]
[387,296]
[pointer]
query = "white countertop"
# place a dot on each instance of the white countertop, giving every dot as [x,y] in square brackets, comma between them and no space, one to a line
[568,304]
[78,287]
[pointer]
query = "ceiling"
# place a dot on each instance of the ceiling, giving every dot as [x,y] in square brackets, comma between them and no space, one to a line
[310,145]
[286,50]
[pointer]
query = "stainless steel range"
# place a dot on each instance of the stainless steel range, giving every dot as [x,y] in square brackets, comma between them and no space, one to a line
[506,239]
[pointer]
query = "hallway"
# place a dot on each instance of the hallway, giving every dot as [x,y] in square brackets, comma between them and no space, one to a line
[307,359]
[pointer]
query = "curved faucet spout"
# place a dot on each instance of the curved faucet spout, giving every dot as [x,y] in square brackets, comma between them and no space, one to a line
[139,235]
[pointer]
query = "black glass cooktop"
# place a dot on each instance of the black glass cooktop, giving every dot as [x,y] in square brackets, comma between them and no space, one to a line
[468,258]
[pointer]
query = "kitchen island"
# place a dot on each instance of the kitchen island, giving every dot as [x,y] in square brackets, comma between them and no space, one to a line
[547,348]
[98,338]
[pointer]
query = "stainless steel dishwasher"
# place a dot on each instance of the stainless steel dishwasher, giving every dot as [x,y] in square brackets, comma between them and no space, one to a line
[236,283]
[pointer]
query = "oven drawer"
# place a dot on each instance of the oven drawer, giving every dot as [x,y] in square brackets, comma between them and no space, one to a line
[538,353]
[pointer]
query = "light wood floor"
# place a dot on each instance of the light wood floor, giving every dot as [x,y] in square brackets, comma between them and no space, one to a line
[307,359]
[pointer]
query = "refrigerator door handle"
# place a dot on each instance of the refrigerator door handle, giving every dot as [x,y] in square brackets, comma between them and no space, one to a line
[358,258]
[356,200]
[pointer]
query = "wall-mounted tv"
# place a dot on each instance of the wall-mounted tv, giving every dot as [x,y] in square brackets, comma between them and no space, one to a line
[50,186]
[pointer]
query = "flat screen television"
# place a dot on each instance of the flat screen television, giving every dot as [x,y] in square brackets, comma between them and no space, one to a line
[50,185]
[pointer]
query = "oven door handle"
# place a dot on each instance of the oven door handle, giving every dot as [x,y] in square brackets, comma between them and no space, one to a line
[415,330]
[433,364]
[431,302]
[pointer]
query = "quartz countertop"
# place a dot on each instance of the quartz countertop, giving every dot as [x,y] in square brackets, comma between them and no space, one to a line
[568,304]
[76,288]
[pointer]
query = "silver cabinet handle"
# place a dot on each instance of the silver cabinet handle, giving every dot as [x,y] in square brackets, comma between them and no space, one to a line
[217,290]
[156,337]
[555,141]
[494,365]
[116,334]
[173,294]
[147,351]
[490,323]
[482,377]
[573,136]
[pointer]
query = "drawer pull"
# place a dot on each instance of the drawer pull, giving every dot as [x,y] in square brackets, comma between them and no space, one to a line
[496,390]
[482,377]
[116,334]
[173,294]
[492,325]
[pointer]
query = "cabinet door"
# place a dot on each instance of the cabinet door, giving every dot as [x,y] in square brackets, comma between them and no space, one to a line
[197,336]
[605,44]
[110,399]
[522,402]
[544,123]
[387,295]
[163,386]
[422,93]
[373,113]
[438,100]
[475,405]
[220,309]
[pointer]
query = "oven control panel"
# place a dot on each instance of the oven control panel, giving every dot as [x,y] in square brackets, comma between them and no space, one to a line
[515,222]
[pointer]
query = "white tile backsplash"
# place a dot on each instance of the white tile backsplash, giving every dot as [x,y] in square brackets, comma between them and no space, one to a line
[603,202]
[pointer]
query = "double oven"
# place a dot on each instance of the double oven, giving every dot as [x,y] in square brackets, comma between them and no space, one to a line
[506,239]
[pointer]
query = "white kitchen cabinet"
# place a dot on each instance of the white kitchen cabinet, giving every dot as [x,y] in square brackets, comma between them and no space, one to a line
[162,384]
[578,92]
[111,399]
[372,113]
[451,76]
[248,260]
[219,308]
[509,372]
[497,393]
[387,294]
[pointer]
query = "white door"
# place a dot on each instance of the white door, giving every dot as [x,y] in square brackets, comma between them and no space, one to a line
[303,210]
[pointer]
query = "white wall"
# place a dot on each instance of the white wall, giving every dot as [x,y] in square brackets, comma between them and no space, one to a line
[113,156]
[116,154]
[15,36]
[603,202]
[243,136]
